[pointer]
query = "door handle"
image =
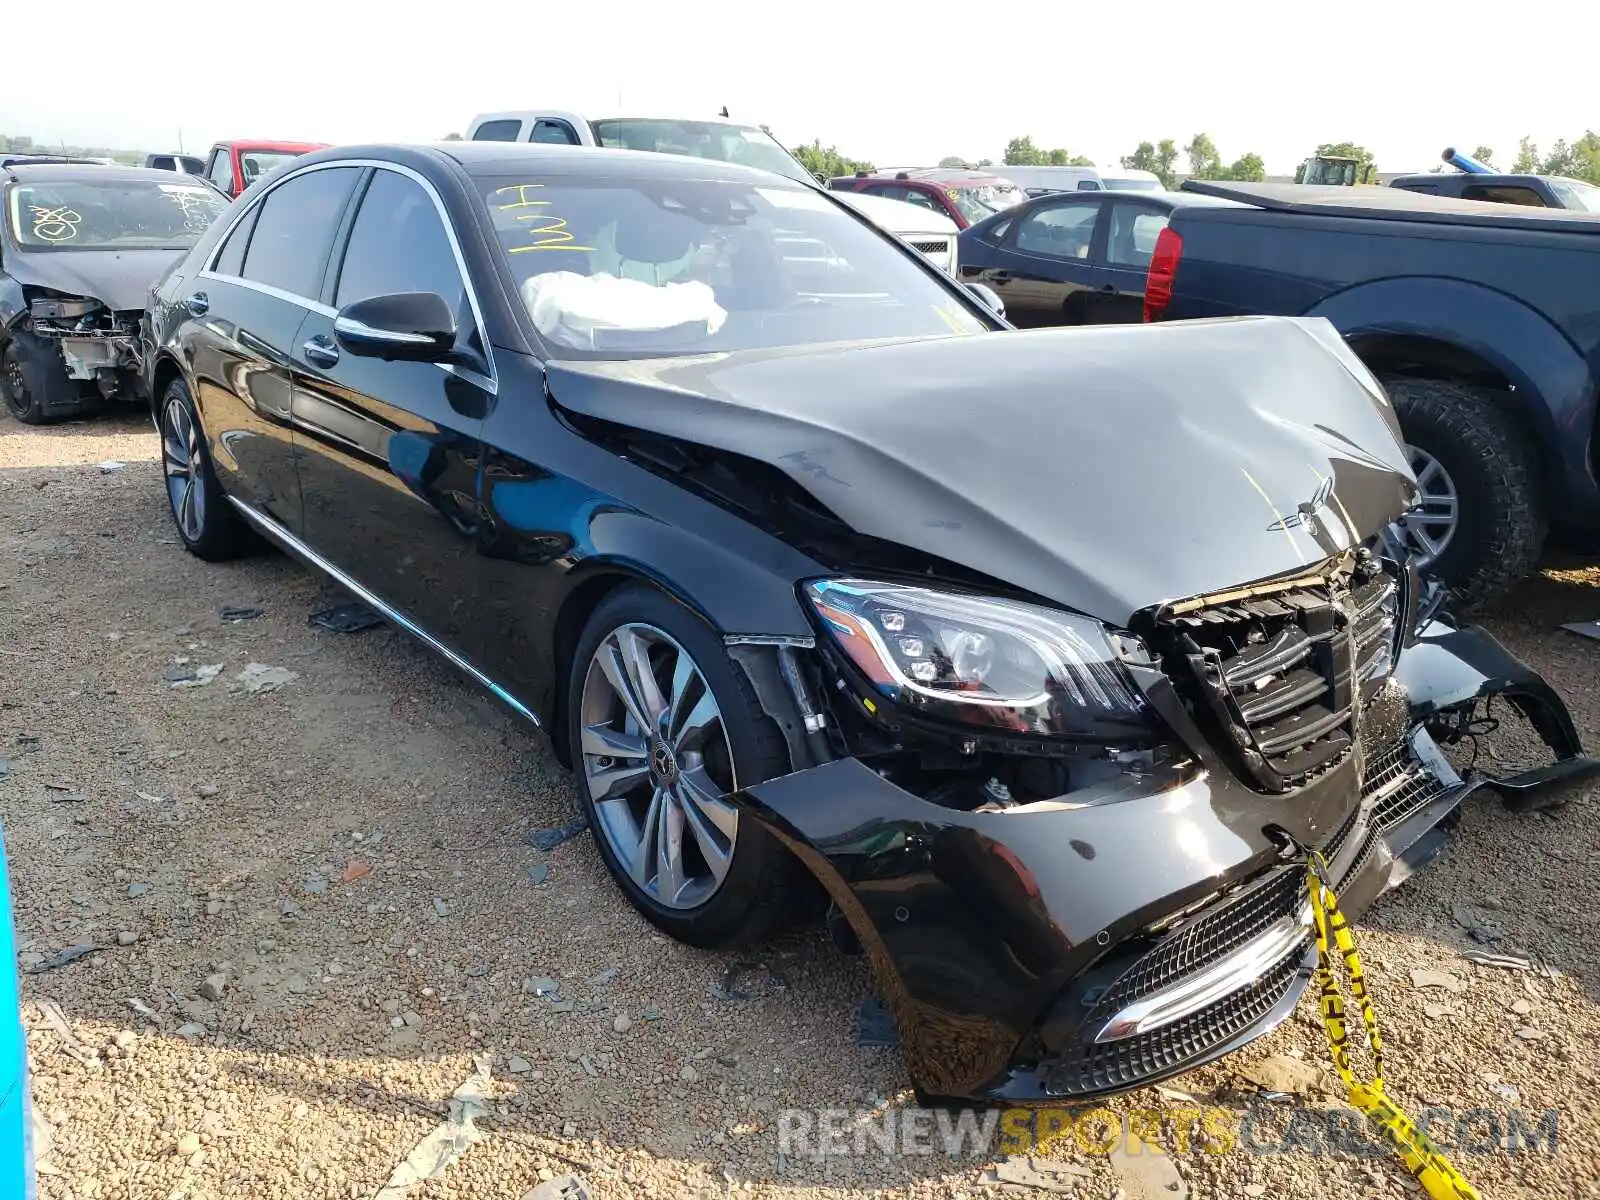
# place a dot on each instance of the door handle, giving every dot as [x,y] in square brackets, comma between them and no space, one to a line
[197,304]
[319,351]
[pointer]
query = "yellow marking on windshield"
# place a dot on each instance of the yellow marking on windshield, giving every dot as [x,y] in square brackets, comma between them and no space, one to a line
[552,235]
[55,224]
[952,319]
[1282,521]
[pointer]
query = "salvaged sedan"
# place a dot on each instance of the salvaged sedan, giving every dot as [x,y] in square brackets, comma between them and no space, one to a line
[1044,659]
[81,245]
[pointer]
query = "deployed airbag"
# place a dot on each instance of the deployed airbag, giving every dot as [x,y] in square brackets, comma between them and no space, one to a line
[577,310]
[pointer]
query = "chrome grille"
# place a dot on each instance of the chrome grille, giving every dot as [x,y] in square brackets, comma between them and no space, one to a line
[931,245]
[1285,674]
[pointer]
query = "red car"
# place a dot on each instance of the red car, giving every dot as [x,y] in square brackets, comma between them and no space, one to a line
[234,166]
[966,197]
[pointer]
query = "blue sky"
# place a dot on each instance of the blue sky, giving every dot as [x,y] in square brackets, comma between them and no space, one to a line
[894,81]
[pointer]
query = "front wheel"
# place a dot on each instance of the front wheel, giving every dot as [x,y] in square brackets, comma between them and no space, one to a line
[662,728]
[33,380]
[1481,520]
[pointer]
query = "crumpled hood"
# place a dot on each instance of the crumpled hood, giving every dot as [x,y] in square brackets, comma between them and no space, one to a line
[1107,469]
[119,279]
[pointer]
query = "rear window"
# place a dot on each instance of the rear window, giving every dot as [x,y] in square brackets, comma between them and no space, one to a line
[628,267]
[497,131]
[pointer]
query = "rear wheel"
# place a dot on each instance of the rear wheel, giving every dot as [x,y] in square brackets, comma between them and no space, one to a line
[1481,520]
[207,523]
[662,727]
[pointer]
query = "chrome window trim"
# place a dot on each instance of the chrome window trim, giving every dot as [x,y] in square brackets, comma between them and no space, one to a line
[295,546]
[490,382]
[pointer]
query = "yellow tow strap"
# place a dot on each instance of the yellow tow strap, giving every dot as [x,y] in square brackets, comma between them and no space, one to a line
[1421,1154]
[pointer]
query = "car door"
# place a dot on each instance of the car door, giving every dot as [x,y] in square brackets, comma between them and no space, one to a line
[1044,270]
[1132,227]
[246,309]
[390,461]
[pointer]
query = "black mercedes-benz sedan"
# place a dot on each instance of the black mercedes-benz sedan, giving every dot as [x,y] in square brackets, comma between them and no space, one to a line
[1045,658]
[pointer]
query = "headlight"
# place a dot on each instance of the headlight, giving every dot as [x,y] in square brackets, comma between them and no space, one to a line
[1001,664]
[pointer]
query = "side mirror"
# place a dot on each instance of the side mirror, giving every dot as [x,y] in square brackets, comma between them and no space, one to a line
[407,326]
[989,298]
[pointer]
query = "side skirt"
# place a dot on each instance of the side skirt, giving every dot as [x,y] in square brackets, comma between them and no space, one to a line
[290,544]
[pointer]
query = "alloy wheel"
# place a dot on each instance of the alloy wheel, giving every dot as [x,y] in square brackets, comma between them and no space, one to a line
[180,456]
[1432,522]
[11,379]
[657,763]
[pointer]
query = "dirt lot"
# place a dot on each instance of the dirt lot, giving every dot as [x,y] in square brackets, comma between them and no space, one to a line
[322,900]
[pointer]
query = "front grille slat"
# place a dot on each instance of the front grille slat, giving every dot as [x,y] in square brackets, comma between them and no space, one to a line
[1284,676]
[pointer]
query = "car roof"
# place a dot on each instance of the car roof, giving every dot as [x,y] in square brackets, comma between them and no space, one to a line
[272,144]
[499,158]
[79,172]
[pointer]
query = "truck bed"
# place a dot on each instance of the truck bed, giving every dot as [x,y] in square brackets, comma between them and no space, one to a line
[1394,204]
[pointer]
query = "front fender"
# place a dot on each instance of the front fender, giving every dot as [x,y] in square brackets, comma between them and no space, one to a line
[1555,386]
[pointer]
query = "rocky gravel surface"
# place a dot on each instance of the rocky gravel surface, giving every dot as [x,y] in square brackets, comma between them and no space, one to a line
[308,931]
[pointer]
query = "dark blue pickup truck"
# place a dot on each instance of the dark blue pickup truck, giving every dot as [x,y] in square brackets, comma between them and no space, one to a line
[1482,321]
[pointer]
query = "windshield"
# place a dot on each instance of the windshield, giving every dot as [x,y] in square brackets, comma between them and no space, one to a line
[718,140]
[976,203]
[1575,194]
[619,268]
[110,214]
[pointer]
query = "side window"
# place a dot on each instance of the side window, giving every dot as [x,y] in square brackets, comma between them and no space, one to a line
[889,191]
[1088,185]
[1504,195]
[497,131]
[231,260]
[220,172]
[921,198]
[295,230]
[996,233]
[163,162]
[398,244]
[552,133]
[1058,230]
[1134,229]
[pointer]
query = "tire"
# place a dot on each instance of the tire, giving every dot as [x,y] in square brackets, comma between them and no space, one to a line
[208,525]
[33,379]
[1488,454]
[764,886]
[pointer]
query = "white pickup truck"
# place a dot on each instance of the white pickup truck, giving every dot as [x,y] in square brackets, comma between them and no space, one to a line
[724,140]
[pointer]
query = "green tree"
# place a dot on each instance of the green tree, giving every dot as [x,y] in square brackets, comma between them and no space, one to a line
[828,162]
[1484,155]
[986,162]
[1021,152]
[1204,161]
[1157,159]
[952,163]
[1527,158]
[1247,168]
[1580,160]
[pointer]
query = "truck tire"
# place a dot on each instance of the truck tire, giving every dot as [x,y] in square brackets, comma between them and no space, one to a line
[33,379]
[1491,460]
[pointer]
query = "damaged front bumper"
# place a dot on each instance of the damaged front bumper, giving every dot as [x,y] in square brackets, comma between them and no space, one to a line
[1107,940]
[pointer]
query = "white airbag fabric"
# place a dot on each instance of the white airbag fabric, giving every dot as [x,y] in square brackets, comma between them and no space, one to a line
[569,308]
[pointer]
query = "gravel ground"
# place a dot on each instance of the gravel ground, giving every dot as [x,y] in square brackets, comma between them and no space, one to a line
[322,901]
